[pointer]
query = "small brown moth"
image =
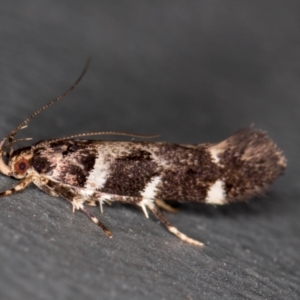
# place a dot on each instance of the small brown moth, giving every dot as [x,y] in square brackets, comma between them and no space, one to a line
[90,172]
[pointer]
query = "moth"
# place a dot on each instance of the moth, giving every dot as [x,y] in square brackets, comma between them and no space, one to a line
[142,173]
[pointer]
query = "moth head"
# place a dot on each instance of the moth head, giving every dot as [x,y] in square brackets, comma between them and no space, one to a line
[19,162]
[6,157]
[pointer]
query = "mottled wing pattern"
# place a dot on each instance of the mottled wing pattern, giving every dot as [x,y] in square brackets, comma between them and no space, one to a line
[234,169]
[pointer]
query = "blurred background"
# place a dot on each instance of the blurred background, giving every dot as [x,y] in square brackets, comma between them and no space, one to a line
[193,72]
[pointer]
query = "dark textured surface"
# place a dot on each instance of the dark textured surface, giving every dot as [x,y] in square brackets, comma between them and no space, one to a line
[191,71]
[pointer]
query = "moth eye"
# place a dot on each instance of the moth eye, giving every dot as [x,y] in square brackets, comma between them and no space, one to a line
[21,166]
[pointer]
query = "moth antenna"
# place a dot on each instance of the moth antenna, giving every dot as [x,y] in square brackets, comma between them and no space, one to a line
[8,154]
[16,141]
[10,137]
[119,133]
[23,125]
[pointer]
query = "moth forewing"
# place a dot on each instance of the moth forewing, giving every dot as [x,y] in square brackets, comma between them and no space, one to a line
[88,172]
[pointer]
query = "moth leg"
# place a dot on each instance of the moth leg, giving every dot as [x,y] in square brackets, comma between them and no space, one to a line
[143,203]
[73,198]
[77,203]
[161,217]
[164,205]
[105,198]
[101,205]
[18,187]
[79,206]
[91,202]
[96,221]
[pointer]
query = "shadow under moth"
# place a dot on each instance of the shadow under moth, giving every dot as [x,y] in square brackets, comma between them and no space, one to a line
[142,173]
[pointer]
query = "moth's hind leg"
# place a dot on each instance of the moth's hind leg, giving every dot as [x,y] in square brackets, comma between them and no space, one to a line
[164,205]
[161,217]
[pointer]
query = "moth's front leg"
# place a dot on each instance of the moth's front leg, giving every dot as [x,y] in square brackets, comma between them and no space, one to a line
[71,195]
[21,185]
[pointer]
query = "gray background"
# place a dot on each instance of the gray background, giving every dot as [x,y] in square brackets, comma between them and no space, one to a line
[193,71]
